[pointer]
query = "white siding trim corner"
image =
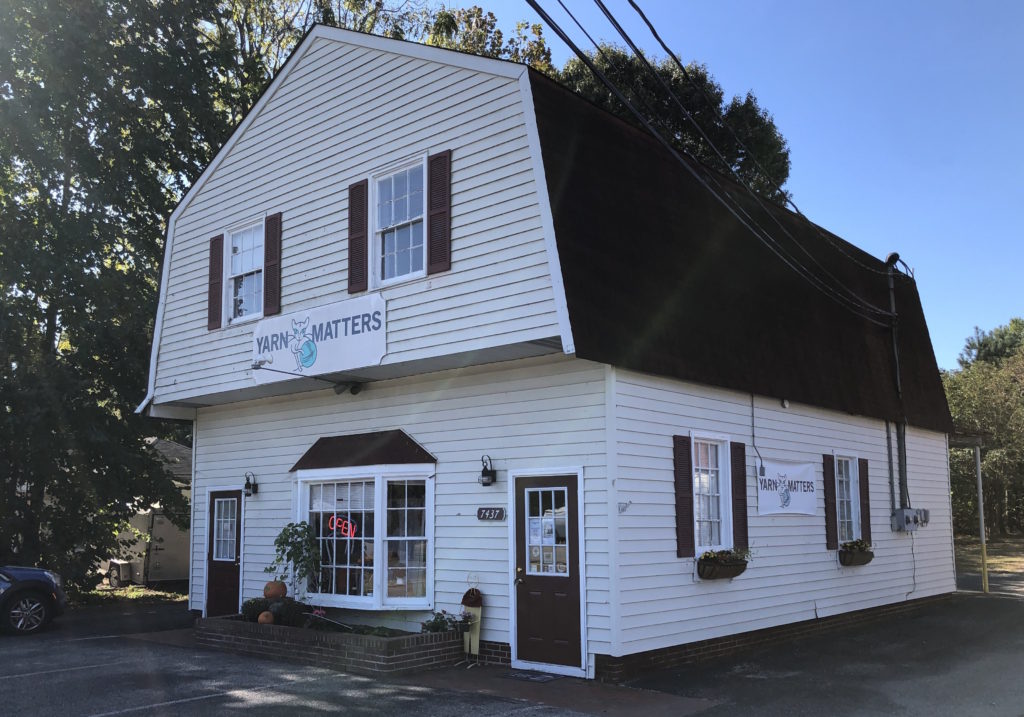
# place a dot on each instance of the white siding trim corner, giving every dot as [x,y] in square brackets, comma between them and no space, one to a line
[546,218]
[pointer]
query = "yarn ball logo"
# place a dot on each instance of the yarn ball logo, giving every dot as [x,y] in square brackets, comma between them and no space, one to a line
[785,498]
[301,345]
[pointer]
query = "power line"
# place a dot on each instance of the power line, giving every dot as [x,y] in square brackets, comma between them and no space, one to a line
[764,173]
[793,264]
[863,303]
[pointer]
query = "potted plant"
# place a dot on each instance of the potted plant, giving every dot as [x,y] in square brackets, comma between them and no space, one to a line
[855,552]
[297,561]
[722,564]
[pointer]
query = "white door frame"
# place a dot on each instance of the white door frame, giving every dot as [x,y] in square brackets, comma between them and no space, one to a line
[241,544]
[514,475]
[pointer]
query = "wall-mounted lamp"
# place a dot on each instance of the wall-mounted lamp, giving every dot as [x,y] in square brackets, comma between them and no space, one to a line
[488,475]
[251,486]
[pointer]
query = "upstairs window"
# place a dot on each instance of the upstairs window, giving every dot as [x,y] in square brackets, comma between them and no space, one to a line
[245,273]
[399,246]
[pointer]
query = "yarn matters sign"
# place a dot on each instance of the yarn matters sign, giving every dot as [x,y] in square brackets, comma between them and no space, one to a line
[327,339]
[786,488]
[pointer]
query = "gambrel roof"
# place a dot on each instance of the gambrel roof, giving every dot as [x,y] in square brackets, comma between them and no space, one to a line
[661,278]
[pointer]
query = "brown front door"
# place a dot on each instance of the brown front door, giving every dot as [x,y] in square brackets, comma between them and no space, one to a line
[223,552]
[547,571]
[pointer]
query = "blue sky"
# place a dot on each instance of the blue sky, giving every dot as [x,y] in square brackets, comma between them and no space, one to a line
[905,122]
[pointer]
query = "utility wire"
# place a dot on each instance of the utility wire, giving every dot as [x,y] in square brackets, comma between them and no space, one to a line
[863,303]
[793,264]
[764,173]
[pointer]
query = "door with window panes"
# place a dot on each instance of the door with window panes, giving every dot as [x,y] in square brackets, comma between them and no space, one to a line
[547,582]
[223,555]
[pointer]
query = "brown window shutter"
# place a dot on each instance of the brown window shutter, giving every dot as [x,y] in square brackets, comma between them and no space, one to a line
[215,290]
[738,455]
[685,547]
[865,500]
[358,215]
[272,265]
[828,464]
[439,212]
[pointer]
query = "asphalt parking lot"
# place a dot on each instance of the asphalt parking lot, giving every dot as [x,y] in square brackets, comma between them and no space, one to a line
[962,656]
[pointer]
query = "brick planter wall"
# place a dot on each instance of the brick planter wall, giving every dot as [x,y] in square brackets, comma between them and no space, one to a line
[361,654]
[618,669]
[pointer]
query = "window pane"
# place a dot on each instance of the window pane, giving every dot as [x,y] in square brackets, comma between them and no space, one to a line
[403,262]
[389,266]
[416,179]
[400,209]
[401,185]
[402,236]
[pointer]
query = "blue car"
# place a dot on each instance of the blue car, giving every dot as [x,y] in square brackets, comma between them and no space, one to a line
[29,599]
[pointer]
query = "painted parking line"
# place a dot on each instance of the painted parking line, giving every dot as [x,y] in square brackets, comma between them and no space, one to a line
[63,669]
[184,700]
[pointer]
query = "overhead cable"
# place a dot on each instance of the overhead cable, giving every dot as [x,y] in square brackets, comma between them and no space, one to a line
[854,296]
[771,245]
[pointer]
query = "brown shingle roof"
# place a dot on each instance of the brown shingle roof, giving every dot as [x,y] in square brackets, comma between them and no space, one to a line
[661,278]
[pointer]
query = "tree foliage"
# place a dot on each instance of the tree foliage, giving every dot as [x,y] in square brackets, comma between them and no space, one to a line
[744,133]
[95,146]
[109,111]
[986,396]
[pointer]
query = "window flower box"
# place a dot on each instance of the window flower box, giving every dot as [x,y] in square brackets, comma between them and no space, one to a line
[855,552]
[721,564]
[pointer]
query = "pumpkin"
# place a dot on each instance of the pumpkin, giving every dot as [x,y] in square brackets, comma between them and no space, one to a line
[275,590]
[266,618]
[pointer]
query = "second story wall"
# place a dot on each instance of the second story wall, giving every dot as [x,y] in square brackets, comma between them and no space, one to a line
[347,107]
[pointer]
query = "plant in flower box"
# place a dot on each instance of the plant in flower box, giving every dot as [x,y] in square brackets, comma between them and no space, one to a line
[855,552]
[444,621]
[722,564]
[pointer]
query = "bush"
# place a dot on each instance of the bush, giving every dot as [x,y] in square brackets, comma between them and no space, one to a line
[252,608]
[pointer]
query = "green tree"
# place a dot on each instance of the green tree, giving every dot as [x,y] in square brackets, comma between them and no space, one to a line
[993,346]
[475,31]
[986,396]
[102,125]
[740,128]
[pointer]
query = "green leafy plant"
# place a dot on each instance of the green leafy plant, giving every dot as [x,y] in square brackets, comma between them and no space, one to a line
[857,546]
[297,561]
[286,611]
[729,555]
[444,621]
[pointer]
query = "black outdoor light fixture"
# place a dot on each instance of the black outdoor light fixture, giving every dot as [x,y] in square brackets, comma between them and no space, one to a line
[251,486]
[488,475]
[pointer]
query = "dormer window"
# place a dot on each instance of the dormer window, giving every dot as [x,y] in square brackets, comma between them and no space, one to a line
[400,252]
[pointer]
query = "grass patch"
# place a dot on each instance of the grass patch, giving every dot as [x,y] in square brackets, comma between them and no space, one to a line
[1004,554]
[103,595]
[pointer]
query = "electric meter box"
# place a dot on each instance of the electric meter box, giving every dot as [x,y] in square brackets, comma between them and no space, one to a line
[908,520]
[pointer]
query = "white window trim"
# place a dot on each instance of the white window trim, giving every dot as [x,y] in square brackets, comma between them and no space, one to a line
[376,281]
[725,489]
[854,492]
[381,474]
[226,318]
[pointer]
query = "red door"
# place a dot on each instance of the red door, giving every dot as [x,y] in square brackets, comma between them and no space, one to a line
[223,553]
[547,571]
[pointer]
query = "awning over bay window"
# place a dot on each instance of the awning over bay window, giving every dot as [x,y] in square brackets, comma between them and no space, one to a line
[363,449]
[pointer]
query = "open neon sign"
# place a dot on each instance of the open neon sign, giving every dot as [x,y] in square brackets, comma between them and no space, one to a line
[342,526]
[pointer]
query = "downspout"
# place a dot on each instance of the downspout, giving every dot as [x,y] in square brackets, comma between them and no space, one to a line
[901,425]
[892,476]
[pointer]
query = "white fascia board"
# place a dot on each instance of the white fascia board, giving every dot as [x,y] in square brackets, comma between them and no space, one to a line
[400,47]
[546,218]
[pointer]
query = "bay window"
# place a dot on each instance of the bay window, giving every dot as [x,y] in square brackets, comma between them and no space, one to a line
[374,527]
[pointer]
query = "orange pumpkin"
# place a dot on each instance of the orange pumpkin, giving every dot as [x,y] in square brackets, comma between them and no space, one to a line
[266,618]
[275,590]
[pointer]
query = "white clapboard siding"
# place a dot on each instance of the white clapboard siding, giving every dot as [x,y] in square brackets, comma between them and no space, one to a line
[344,112]
[791,576]
[532,413]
